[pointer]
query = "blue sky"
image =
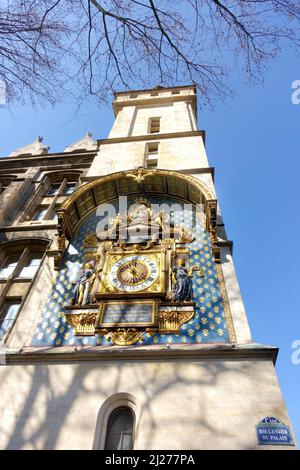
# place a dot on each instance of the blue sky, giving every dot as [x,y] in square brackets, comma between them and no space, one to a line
[253,143]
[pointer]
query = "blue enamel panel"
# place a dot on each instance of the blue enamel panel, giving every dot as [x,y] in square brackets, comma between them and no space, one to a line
[207,326]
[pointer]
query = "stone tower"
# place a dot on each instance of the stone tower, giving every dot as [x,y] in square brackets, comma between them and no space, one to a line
[122,323]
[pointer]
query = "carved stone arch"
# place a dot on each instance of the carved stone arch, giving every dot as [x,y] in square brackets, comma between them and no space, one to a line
[115,401]
[23,242]
[135,182]
[10,247]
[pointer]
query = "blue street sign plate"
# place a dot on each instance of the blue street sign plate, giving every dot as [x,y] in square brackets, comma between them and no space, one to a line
[271,431]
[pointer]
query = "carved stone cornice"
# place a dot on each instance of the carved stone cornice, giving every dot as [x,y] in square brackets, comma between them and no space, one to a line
[148,137]
[73,354]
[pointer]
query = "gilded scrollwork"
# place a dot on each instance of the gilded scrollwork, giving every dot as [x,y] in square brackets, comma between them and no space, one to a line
[125,336]
[84,323]
[171,320]
[212,227]
[90,241]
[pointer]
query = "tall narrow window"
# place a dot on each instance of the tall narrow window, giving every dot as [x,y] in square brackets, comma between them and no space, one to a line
[28,271]
[21,260]
[7,316]
[53,189]
[120,430]
[69,188]
[152,155]
[54,215]
[40,213]
[154,125]
[8,267]
[52,192]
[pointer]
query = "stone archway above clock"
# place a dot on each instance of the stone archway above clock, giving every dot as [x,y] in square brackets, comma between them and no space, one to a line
[136,182]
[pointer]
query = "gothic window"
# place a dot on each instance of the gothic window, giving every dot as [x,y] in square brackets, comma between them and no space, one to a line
[53,189]
[120,428]
[8,267]
[49,196]
[53,216]
[19,263]
[64,188]
[31,266]
[7,316]
[40,213]
[69,188]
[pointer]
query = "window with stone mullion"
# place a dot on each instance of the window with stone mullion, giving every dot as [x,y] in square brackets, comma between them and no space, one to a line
[53,204]
[10,269]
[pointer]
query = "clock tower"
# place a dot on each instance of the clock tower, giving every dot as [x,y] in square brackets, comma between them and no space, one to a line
[140,330]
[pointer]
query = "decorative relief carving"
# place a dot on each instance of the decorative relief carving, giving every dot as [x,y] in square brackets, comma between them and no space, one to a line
[125,336]
[84,323]
[154,268]
[212,227]
[140,174]
[171,320]
[90,241]
[61,242]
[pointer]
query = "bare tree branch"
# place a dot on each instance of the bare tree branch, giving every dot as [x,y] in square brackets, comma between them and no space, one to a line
[90,47]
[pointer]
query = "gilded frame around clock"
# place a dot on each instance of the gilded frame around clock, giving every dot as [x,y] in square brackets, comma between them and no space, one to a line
[142,265]
[158,287]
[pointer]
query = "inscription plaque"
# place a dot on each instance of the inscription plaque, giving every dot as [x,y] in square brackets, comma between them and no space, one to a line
[140,313]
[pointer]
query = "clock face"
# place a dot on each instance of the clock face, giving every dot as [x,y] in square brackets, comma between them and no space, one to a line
[133,273]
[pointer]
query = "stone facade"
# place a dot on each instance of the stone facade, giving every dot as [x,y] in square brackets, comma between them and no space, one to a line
[196,390]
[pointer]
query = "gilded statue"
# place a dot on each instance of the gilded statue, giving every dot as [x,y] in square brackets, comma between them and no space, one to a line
[84,285]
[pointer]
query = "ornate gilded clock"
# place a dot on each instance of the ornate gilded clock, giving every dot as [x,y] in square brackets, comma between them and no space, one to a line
[133,273]
[139,273]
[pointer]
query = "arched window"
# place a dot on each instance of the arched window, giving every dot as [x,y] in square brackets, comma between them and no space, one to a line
[120,428]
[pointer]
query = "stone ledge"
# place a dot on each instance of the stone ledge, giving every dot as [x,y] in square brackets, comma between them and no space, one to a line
[185,171]
[67,354]
[147,137]
[48,156]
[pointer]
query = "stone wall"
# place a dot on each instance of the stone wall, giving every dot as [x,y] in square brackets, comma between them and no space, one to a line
[180,404]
